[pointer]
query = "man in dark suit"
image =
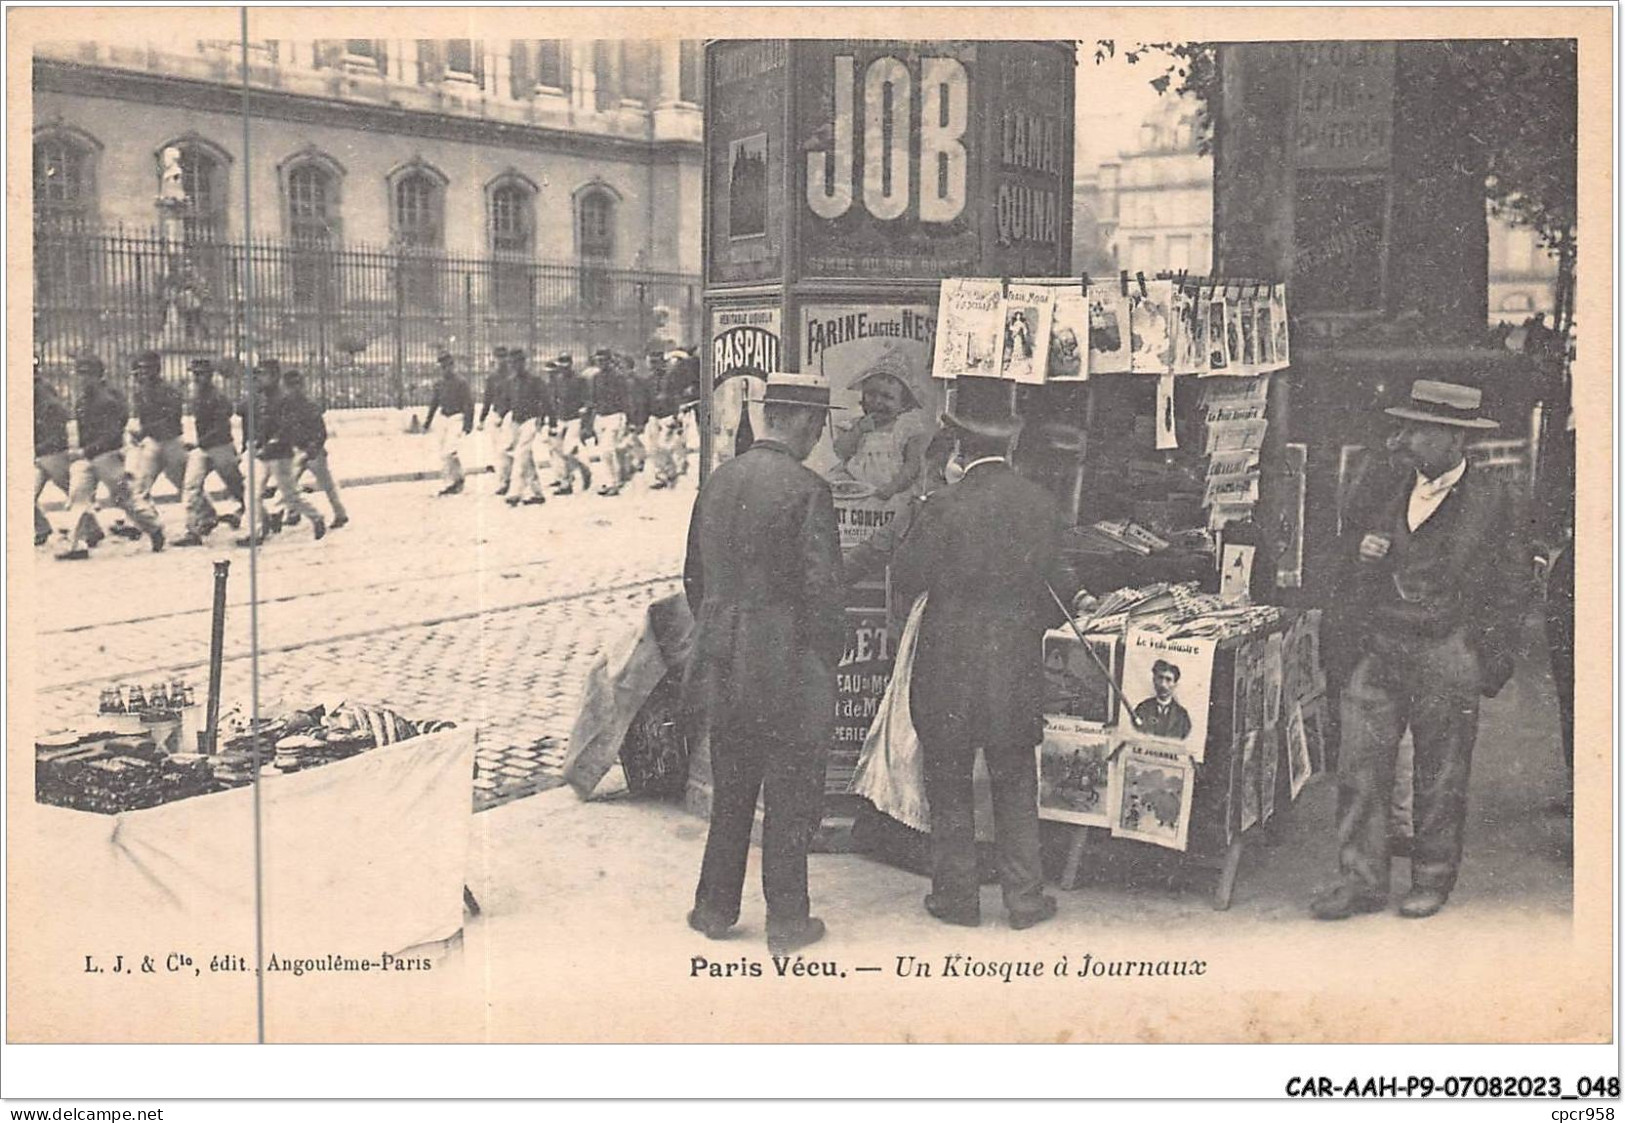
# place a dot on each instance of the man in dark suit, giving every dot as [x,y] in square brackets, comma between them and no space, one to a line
[1425,613]
[1161,715]
[982,549]
[101,414]
[763,578]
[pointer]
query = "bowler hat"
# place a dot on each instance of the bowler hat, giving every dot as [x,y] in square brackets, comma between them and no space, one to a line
[146,360]
[810,390]
[87,363]
[1444,403]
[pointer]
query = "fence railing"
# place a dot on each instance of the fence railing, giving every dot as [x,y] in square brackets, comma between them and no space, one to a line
[364,323]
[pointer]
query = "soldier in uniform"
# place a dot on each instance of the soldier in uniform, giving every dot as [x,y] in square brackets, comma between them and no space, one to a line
[530,410]
[609,418]
[216,449]
[158,408]
[51,457]
[499,401]
[568,394]
[101,414]
[455,402]
[261,445]
[299,430]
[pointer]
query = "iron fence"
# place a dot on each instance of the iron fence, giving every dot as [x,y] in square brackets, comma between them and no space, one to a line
[364,323]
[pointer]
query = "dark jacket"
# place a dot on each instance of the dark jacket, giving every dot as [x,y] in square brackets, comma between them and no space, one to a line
[569,396]
[158,406]
[1465,568]
[452,397]
[1175,721]
[299,423]
[763,578]
[982,549]
[498,396]
[102,414]
[267,410]
[529,399]
[50,420]
[608,391]
[639,401]
[213,410]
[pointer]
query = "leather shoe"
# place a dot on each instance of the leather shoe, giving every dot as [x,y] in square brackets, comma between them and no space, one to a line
[80,554]
[1026,918]
[709,925]
[157,541]
[1422,902]
[188,539]
[342,520]
[786,939]
[966,914]
[1345,901]
[318,528]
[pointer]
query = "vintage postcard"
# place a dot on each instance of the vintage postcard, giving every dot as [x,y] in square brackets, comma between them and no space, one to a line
[482,485]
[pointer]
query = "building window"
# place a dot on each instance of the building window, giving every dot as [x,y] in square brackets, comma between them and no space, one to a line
[465,60]
[64,212]
[510,202]
[596,232]
[690,72]
[637,70]
[312,203]
[1179,252]
[203,178]
[312,186]
[417,196]
[64,181]
[553,64]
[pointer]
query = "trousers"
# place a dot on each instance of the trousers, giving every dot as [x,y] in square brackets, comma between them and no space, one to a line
[173,460]
[524,462]
[1431,689]
[316,464]
[564,455]
[53,468]
[789,775]
[949,764]
[107,470]
[449,440]
[221,459]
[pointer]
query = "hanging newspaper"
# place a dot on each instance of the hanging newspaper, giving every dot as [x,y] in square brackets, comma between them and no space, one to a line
[1189,316]
[1151,328]
[970,328]
[1027,316]
[1069,337]
[1110,346]
[1074,772]
[1167,682]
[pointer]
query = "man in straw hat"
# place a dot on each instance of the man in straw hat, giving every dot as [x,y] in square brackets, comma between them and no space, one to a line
[763,577]
[1426,609]
[982,550]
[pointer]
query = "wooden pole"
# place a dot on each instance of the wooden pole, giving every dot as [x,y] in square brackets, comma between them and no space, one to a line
[217,643]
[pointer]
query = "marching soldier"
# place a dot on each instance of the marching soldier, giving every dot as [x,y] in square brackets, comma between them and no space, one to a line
[216,450]
[609,418]
[300,424]
[569,400]
[455,402]
[499,400]
[529,412]
[158,408]
[101,414]
[260,446]
[51,456]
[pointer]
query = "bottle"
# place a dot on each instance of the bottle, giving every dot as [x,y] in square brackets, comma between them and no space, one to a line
[179,694]
[136,701]
[110,702]
[157,697]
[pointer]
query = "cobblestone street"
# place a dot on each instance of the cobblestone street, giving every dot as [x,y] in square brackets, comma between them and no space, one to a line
[459,608]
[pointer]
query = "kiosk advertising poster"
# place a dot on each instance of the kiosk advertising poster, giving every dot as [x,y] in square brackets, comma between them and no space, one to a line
[742,339]
[745,119]
[878,362]
[884,129]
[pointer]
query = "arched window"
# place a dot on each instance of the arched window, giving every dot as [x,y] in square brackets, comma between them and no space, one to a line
[64,179]
[595,227]
[312,190]
[510,202]
[417,203]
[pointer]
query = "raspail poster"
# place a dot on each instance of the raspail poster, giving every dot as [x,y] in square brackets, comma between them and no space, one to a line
[1151,797]
[1069,337]
[970,328]
[1079,683]
[1167,683]
[877,359]
[1110,341]
[1151,327]
[1028,312]
[745,346]
[1074,772]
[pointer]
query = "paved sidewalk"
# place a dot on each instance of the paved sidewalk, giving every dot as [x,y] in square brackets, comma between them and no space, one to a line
[459,608]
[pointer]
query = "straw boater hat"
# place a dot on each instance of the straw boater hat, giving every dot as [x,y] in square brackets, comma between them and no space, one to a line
[1444,403]
[795,390]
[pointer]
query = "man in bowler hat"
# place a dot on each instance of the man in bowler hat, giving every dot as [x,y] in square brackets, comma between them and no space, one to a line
[1424,613]
[763,577]
[982,550]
